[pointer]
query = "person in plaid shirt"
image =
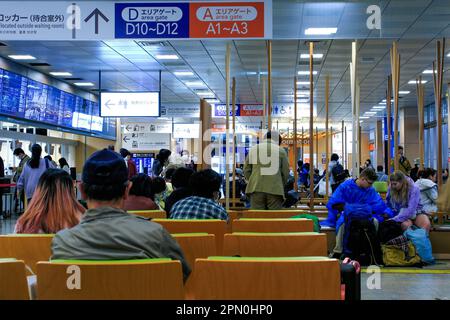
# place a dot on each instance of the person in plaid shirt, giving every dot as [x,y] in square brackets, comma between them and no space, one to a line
[205,186]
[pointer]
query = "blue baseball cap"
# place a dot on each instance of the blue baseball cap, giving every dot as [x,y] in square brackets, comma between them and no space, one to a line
[105,167]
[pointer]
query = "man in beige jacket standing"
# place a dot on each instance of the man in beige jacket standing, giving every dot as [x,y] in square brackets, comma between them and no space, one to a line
[267,171]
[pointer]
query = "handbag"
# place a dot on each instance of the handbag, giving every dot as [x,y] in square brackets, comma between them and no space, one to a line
[400,252]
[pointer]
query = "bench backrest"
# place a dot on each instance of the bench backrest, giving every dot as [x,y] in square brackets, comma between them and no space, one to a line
[273,225]
[150,214]
[13,280]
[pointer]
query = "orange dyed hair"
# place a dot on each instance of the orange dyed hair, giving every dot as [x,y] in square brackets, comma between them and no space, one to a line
[53,207]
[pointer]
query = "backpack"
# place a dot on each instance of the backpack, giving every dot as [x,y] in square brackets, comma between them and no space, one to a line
[360,237]
[388,230]
[339,175]
[400,252]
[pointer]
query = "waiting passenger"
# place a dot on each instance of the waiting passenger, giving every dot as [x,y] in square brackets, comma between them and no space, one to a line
[403,198]
[49,158]
[140,194]
[353,192]
[180,183]
[428,190]
[381,175]
[54,206]
[336,172]
[368,164]
[403,163]
[64,165]
[106,231]
[32,171]
[161,160]
[159,189]
[205,186]
[267,171]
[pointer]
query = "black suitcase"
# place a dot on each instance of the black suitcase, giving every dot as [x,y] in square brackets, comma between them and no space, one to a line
[351,279]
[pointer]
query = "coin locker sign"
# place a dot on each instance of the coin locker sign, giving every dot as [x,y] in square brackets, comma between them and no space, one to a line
[108,20]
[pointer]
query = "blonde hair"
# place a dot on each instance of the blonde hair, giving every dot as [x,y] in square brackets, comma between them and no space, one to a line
[399,196]
[443,201]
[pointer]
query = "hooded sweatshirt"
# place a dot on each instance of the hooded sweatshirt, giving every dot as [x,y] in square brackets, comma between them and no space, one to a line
[428,194]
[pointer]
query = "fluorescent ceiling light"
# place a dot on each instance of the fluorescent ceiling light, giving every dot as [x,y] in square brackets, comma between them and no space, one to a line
[213,100]
[428,71]
[252,73]
[320,31]
[183,73]
[21,57]
[404,92]
[205,93]
[84,84]
[364,117]
[448,55]
[379,107]
[194,84]
[306,73]
[315,55]
[61,74]
[370,113]
[382,103]
[303,83]
[414,81]
[166,57]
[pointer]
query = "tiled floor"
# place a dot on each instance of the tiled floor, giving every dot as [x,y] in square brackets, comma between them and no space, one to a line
[7,225]
[396,286]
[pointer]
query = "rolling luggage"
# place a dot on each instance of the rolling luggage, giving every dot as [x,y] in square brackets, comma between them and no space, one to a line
[351,279]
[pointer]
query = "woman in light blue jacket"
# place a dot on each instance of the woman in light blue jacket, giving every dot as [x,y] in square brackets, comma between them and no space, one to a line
[428,189]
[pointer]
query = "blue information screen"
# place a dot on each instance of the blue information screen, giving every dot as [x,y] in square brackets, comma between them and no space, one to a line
[30,100]
[152,20]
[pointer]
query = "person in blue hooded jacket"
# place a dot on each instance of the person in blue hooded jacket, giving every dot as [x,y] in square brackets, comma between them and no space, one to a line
[349,195]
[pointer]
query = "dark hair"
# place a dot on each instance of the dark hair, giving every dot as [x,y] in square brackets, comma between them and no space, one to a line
[273,134]
[142,185]
[316,171]
[48,157]
[111,147]
[63,162]
[289,184]
[369,161]
[299,163]
[204,183]
[158,185]
[369,174]
[36,151]
[104,192]
[163,155]
[400,148]
[169,173]
[18,151]
[124,152]
[380,168]
[334,157]
[180,178]
[426,173]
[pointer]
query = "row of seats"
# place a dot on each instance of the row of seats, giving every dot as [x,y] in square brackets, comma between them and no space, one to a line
[224,278]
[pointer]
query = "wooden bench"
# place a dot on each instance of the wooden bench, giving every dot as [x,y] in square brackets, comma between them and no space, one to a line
[149,214]
[289,244]
[13,280]
[194,246]
[212,226]
[272,225]
[146,279]
[232,278]
[30,248]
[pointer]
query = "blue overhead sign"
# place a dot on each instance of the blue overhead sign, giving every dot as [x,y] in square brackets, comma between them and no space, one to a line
[151,20]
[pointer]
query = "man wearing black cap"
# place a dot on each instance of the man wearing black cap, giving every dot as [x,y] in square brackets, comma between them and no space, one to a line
[107,232]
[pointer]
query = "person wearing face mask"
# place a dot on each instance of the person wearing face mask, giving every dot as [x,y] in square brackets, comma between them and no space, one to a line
[203,204]
[23,159]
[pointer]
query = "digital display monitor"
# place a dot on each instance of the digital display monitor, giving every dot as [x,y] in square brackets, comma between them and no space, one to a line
[144,162]
[14,88]
[130,104]
[30,100]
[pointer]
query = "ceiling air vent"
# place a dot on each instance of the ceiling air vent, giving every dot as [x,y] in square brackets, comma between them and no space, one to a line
[173,63]
[367,60]
[306,62]
[73,79]
[152,43]
[39,64]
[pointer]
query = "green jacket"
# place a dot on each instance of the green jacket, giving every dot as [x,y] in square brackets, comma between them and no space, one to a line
[19,169]
[266,169]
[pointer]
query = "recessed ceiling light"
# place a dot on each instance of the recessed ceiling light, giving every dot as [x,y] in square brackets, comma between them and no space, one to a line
[320,31]
[21,57]
[183,73]
[428,71]
[303,83]
[84,84]
[315,55]
[404,92]
[194,84]
[166,57]
[306,73]
[61,74]
[448,55]
[414,81]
